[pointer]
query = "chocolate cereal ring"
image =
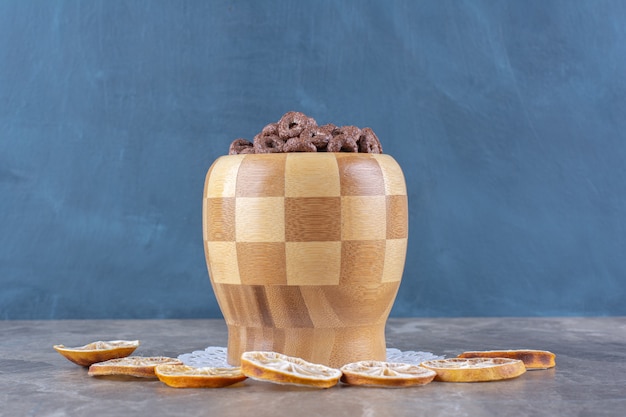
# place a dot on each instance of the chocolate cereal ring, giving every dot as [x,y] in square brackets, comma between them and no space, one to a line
[270,129]
[293,123]
[297,132]
[317,136]
[352,132]
[344,139]
[368,142]
[299,145]
[268,144]
[342,143]
[241,146]
[328,128]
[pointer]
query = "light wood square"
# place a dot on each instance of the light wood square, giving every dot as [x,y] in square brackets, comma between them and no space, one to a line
[262,263]
[222,177]
[392,174]
[262,175]
[312,175]
[313,263]
[395,256]
[397,217]
[222,257]
[260,219]
[363,217]
[219,219]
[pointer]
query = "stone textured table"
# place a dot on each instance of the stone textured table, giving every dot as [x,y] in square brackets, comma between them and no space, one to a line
[589,380]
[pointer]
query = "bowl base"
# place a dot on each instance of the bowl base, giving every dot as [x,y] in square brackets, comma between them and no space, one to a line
[332,347]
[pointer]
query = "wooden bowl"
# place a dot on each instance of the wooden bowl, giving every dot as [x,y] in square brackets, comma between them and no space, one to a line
[306,251]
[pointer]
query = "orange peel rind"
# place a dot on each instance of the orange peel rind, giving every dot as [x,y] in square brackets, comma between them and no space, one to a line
[137,366]
[532,358]
[97,351]
[184,376]
[385,374]
[475,369]
[282,369]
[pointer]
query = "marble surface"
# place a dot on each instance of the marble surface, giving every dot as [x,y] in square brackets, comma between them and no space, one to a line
[589,380]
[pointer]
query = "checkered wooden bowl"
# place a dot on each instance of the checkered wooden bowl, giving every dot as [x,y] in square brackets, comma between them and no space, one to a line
[305,252]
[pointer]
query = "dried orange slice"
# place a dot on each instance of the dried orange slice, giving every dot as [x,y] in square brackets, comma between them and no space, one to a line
[139,366]
[183,376]
[385,374]
[282,369]
[97,351]
[533,359]
[475,369]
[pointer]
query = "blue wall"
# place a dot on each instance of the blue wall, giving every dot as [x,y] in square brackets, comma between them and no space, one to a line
[508,118]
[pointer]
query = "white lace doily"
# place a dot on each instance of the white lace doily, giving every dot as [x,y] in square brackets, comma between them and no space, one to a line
[410,356]
[215,356]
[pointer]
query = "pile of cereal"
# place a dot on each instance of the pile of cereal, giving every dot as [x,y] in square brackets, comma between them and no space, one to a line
[296,132]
